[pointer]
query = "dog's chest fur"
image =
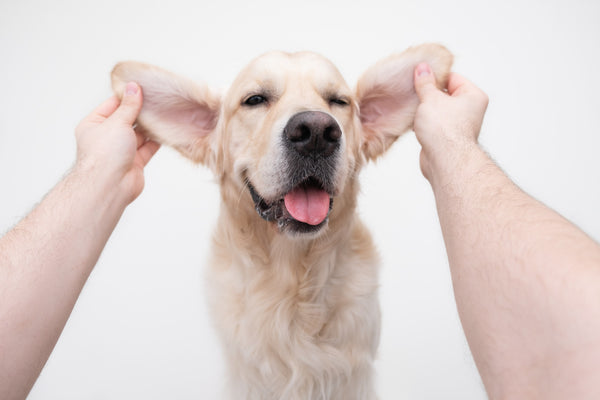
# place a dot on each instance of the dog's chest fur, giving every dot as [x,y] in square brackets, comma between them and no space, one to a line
[298,319]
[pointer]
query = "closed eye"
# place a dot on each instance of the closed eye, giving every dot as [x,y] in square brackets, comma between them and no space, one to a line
[339,101]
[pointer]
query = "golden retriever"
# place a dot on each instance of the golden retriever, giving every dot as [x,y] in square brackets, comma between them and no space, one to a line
[293,273]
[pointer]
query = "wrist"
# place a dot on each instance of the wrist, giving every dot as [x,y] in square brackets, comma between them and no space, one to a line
[442,164]
[101,183]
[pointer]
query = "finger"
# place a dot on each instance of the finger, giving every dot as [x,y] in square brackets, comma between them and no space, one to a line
[103,111]
[458,84]
[424,81]
[141,139]
[140,131]
[131,104]
[107,108]
[147,150]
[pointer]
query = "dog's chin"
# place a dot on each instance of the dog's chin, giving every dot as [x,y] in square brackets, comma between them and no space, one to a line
[277,212]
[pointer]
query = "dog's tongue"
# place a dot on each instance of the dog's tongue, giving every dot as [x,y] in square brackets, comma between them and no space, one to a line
[308,205]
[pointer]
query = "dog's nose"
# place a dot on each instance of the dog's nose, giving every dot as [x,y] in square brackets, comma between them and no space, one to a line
[313,133]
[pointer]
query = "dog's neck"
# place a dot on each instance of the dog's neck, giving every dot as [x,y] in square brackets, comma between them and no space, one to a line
[283,271]
[278,299]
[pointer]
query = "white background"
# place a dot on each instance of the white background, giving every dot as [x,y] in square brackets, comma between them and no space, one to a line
[140,329]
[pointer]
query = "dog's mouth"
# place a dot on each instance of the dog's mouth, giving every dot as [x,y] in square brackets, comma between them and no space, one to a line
[303,209]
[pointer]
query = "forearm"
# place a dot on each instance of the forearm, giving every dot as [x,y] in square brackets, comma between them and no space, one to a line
[526,282]
[44,263]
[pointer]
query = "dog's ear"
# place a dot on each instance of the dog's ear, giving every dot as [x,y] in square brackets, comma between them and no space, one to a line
[176,112]
[387,98]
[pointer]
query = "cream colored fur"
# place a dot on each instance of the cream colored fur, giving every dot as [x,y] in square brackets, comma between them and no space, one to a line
[298,314]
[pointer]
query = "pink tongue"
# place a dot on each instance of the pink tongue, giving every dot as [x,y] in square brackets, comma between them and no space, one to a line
[308,205]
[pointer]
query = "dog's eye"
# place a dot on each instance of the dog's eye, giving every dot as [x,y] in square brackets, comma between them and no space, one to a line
[339,101]
[255,100]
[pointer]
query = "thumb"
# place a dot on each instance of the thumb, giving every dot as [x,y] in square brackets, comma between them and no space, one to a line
[424,81]
[130,106]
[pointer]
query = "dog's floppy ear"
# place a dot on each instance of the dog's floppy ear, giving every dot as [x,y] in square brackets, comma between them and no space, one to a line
[387,98]
[176,112]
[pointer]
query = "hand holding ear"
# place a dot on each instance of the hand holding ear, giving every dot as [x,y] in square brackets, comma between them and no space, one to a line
[107,142]
[446,122]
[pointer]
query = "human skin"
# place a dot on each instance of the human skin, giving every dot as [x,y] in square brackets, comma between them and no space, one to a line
[526,280]
[47,257]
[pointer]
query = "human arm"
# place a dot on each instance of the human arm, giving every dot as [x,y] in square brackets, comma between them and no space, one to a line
[47,257]
[526,280]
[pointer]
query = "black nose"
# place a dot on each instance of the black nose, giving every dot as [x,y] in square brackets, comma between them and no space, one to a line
[313,133]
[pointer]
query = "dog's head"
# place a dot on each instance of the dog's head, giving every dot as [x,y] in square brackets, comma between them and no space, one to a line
[290,135]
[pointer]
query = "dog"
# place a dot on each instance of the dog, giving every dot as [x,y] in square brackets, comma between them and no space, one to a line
[293,273]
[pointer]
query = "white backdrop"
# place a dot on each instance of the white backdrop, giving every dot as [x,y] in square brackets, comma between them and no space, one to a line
[140,329]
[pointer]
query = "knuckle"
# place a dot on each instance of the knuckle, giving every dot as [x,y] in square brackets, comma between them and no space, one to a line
[484,99]
[79,129]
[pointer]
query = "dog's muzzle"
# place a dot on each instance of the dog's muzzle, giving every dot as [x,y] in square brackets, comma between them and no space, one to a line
[312,145]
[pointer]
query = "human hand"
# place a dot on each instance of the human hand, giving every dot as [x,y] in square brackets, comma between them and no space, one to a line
[446,124]
[108,145]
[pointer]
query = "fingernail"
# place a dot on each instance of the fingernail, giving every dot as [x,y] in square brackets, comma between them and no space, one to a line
[423,69]
[131,89]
